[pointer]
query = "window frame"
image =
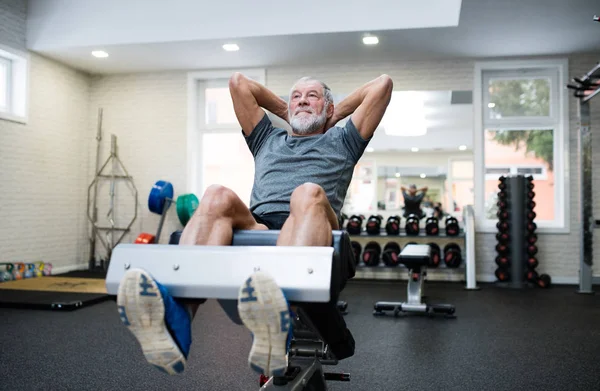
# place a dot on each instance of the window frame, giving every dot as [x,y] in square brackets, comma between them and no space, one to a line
[17,85]
[194,176]
[8,82]
[513,170]
[559,124]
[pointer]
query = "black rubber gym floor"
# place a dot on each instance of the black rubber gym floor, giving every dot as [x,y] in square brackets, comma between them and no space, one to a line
[501,340]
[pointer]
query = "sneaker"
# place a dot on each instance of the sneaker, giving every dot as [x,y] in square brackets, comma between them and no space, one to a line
[264,310]
[161,325]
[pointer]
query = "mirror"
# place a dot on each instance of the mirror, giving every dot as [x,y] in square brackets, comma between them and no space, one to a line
[425,139]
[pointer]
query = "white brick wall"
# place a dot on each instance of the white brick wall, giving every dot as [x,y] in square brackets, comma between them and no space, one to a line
[43,170]
[43,163]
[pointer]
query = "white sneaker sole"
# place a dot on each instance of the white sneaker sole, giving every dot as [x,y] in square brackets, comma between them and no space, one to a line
[264,311]
[142,310]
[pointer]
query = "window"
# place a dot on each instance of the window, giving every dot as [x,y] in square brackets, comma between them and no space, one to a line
[218,153]
[522,131]
[218,104]
[13,86]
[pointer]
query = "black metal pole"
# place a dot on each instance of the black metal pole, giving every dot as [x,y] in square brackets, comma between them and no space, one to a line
[517,229]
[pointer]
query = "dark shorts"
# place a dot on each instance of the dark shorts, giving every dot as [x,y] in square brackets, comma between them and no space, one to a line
[272,220]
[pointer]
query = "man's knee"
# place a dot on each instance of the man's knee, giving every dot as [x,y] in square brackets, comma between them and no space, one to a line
[217,200]
[307,195]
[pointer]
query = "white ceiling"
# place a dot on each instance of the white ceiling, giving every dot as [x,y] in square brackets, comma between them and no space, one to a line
[487,28]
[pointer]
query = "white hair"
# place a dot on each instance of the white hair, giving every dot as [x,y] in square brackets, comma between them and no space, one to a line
[327,95]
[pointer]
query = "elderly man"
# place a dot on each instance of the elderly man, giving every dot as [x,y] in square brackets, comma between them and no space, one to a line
[300,183]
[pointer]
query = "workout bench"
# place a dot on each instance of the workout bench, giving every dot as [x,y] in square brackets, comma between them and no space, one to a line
[305,274]
[416,257]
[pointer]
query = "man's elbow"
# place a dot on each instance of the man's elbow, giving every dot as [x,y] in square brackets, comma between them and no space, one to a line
[387,82]
[236,80]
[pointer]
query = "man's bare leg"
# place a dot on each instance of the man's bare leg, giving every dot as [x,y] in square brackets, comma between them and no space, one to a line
[311,218]
[219,213]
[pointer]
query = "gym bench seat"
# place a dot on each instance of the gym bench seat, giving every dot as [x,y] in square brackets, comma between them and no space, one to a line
[416,257]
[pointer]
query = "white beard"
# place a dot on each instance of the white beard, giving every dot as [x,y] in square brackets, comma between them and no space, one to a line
[305,124]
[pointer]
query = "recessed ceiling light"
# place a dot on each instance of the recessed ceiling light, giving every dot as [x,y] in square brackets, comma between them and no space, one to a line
[462,147]
[414,149]
[397,175]
[370,149]
[99,54]
[231,47]
[491,105]
[423,176]
[370,40]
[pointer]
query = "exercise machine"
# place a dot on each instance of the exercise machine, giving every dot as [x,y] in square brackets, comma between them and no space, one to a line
[416,257]
[305,274]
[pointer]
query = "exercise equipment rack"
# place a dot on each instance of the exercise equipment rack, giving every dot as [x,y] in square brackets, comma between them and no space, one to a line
[585,89]
[108,242]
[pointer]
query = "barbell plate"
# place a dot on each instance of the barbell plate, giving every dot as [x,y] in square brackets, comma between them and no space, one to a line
[161,190]
[186,206]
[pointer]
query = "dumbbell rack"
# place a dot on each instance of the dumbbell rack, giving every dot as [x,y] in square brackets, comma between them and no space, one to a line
[384,272]
[516,238]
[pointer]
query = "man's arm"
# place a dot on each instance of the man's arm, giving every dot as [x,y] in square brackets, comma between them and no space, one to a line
[366,105]
[423,189]
[248,97]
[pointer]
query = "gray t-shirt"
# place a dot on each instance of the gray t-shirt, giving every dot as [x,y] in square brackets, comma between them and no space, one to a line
[284,162]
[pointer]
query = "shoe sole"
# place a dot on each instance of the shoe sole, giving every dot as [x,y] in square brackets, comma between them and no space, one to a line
[142,311]
[264,311]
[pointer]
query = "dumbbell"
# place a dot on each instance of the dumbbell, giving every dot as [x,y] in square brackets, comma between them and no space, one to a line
[342,219]
[175,237]
[432,227]
[501,248]
[391,254]
[436,256]
[532,262]
[354,225]
[502,274]
[412,225]
[371,254]
[502,215]
[502,261]
[531,276]
[544,281]
[452,228]
[502,184]
[374,224]
[502,237]
[392,227]
[356,249]
[532,238]
[502,226]
[452,255]
[532,249]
